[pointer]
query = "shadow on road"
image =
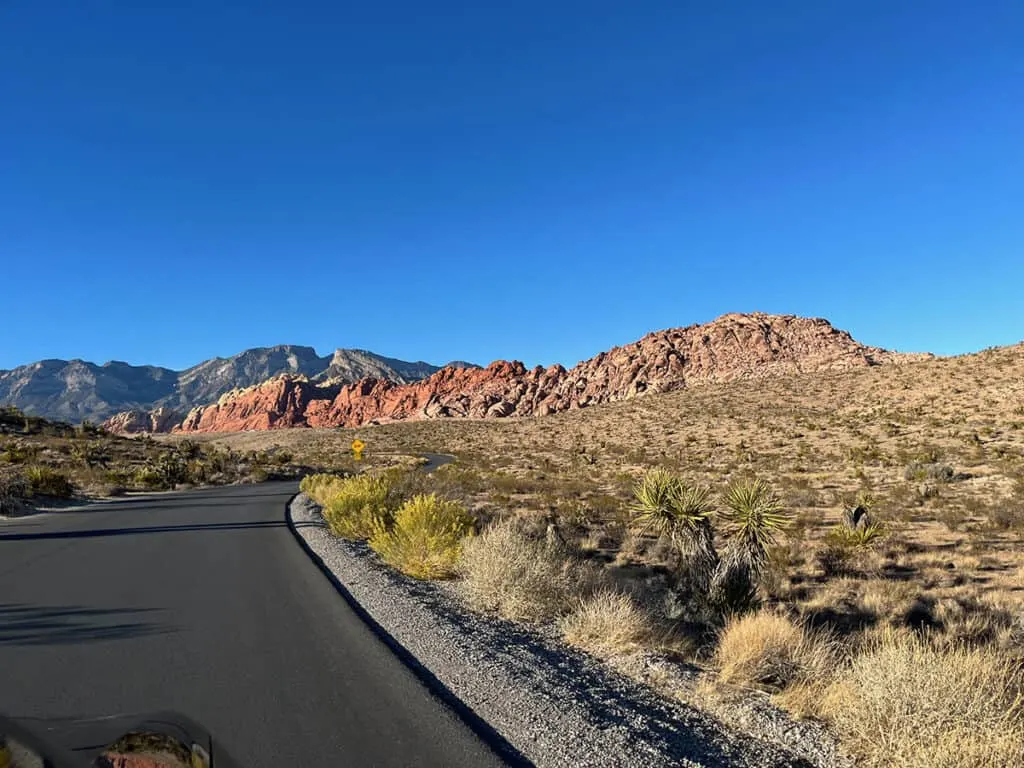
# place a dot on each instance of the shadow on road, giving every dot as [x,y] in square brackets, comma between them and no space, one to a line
[69,625]
[95,532]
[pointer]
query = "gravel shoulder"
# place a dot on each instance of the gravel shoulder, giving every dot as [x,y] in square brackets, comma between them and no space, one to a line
[550,705]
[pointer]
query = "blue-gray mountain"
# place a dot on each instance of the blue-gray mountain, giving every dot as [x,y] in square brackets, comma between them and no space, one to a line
[75,390]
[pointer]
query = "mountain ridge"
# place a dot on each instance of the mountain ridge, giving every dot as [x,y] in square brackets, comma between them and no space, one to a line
[77,390]
[732,346]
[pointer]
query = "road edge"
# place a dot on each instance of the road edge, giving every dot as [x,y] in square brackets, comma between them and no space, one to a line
[478,725]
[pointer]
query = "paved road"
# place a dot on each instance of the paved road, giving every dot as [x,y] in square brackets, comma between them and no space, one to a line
[204,603]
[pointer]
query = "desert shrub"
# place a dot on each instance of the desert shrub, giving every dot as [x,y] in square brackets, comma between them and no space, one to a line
[972,621]
[149,477]
[856,539]
[907,703]
[198,471]
[118,476]
[520,577]
[769,651]
[19,453]
[404,483]
[845,547]
[47,481]
[188,449]
[317,486]
[13,488]
[607,622]
[1006,515]
[918,471]
[455,479]
[90,454]
[352,506]
[425,539]
[172,468]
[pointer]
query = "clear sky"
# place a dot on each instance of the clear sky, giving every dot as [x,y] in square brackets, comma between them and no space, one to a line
[482,180]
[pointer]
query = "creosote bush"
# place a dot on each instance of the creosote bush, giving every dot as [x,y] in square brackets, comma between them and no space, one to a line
[908,703]
[425,539]
[769,651]
[523,578]
[605,623]
[352,506]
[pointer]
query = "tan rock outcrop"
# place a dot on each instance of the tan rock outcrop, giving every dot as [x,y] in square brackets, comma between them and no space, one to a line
[136,421]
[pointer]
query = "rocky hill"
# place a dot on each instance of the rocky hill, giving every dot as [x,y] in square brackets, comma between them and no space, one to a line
[75,390]
[733,346]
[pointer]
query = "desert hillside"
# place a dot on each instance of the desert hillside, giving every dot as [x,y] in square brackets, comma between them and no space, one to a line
[733,347]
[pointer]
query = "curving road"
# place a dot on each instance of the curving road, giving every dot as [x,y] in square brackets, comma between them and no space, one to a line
[204,603]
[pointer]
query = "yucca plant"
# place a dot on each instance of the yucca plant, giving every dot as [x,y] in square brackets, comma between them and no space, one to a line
[752,517]
[857,539]
[667,507]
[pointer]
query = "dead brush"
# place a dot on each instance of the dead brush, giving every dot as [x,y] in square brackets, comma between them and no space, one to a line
[906,703]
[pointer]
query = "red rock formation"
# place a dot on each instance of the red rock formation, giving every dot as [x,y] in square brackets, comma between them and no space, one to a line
[732,347]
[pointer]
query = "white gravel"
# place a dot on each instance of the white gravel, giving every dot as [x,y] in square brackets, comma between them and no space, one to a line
[552,704]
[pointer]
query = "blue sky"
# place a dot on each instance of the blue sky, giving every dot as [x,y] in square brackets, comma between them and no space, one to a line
[530,180]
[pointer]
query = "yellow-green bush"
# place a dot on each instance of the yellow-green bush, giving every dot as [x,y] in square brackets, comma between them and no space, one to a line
[149,477]
[46,481]
[351,505]
[425,539]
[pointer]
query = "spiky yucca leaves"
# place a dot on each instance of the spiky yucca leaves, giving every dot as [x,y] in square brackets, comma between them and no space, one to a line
[668,507]
[751,519]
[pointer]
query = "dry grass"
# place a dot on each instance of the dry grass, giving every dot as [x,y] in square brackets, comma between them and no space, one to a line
[769,651]
[520,577]
[606,623]
[906,703]
[426,538]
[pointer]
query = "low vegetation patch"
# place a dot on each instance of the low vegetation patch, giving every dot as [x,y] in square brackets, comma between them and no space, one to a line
[56,459]
[907,703]
[13,489]
[425,539]
[768,651]
[46,481]
[607,623]
[522,577]
[354,507]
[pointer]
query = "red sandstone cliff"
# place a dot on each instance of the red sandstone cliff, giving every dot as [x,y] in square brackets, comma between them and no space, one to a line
[733,346]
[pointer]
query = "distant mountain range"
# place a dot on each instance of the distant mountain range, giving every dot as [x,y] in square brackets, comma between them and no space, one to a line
[75,390]
[735,346]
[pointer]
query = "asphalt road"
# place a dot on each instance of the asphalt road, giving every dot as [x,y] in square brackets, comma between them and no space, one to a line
[204,603]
